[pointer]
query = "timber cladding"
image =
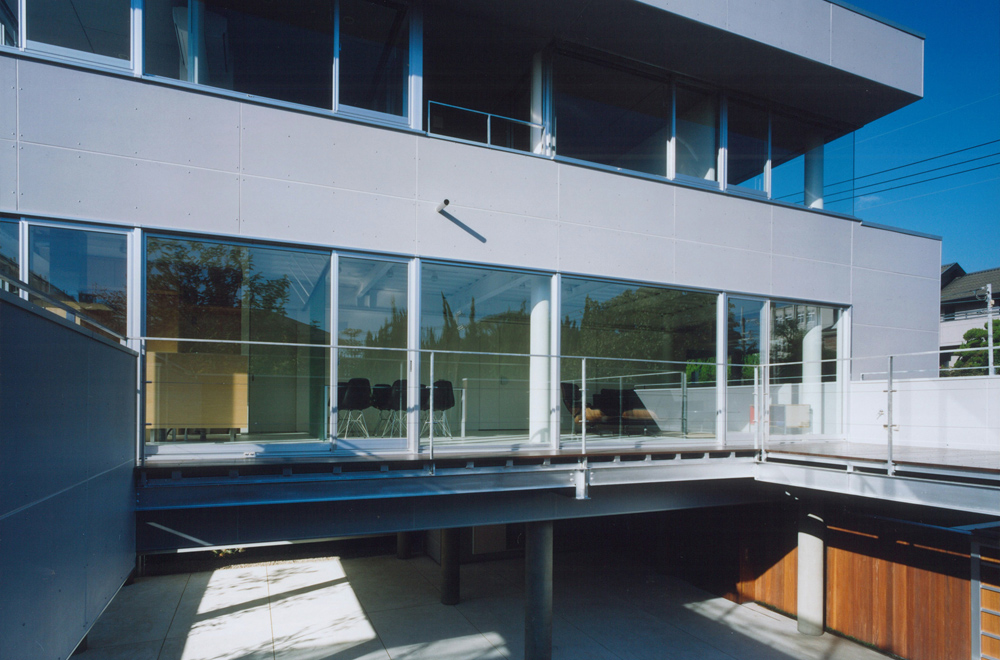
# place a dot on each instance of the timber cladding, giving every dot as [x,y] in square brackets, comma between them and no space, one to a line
[902,589]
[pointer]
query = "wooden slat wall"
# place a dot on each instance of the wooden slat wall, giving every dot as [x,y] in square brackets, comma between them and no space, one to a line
[902,590]
[989,575]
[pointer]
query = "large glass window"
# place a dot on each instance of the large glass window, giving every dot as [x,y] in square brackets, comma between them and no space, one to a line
[94,29]
[9,249]
[697,139]
[747,145]
[374,58]
[372,362]
[744,383]
[277,50]
[260,368]
[805,390]
[86,270]
[8,22]
[611,116]
[481,326]
[650,360]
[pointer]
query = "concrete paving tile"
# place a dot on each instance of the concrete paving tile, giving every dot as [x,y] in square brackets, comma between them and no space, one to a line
[431,632]
[226,648]
[392,590]
[310,650]
[139,651]
[141,612]
[500,620]
[233,598]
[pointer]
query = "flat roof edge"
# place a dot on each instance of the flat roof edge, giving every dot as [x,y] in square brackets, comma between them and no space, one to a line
[900,230]
[880,19]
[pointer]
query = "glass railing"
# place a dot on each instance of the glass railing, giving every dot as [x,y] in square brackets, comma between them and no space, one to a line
[270,396]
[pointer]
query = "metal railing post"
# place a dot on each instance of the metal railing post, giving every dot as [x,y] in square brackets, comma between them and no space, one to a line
[888,418]
[430,412]
[465,392]
[489,130]
[583,406]
[684,404]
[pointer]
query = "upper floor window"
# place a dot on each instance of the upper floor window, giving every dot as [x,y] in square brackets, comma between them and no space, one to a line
[96,30]
[374,56]
[287,51]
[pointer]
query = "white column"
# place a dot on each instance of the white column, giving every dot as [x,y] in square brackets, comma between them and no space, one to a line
[538,103]
[538,392]
[722,368]
[814,177]
[811,587]
[812,368]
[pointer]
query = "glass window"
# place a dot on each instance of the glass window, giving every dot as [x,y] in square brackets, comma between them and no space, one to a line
[8,22]
[746,146]
[743,364]
[374,55]
[650,353]
[838,175]
[610,116]
[697,147]
[372,361]
[275,50]
[805,393]
[505,316]
[254,297]
[85,270]
[97,27]
[9,249]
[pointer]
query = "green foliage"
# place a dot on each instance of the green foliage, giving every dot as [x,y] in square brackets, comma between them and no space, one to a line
[975,363]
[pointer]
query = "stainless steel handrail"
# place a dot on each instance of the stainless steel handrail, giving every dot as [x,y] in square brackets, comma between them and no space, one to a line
[75,313]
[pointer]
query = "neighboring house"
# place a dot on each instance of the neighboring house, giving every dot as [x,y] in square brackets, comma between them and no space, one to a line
[399,267]
[963,305]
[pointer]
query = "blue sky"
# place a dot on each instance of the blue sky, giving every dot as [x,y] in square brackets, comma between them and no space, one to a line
[960,109]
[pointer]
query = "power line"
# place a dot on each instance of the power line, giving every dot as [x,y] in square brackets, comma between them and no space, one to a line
[933,169]
[916,162]
[913,183]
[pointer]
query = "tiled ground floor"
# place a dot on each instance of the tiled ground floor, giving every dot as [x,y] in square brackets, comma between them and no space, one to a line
[382,608]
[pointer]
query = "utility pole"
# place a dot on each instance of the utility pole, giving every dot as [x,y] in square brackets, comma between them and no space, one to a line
[989,325]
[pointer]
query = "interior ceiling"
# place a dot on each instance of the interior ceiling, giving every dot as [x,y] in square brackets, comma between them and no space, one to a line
[637,31]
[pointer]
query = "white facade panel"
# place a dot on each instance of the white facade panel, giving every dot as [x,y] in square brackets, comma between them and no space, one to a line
[615,254]
[800,27]
[812,235]
[8,98]
[8,175]
[289,211]
[486,179]
[896,301]
[63,107]
[292,146]
[485,236]
[594,198]
[895,252]
[710,13]
[810,280]
[718,219]
[715,267]
[876,51]
[78,184]
[869,340]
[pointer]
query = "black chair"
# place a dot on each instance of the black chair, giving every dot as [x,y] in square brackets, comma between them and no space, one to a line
[357,397]
[395,425]
[444,400]
[381,401]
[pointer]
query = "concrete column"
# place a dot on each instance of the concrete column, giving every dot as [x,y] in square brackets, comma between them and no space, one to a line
[811,603]
[538,591]
[814,177]
[450,565]
[538,393]
[537,103]
[404,545]
[812,367]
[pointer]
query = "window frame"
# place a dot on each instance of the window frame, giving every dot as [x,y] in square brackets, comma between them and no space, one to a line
[65,53]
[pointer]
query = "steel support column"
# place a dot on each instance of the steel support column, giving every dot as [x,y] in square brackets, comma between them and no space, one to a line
[538,591]
[450,564]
